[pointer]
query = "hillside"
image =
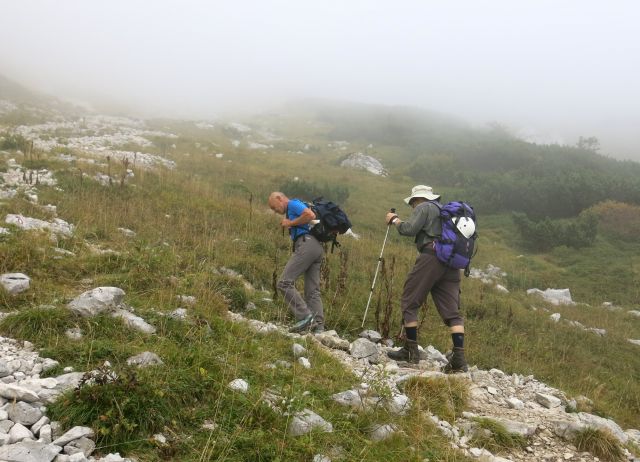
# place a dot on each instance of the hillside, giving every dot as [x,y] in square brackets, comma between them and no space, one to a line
[172,216]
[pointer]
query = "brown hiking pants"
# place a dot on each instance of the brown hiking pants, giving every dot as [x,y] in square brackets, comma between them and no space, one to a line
[430,276]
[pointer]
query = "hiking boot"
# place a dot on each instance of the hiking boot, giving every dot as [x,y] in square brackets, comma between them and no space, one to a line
[303,324]
[317,329]
[456,363]
[409,353]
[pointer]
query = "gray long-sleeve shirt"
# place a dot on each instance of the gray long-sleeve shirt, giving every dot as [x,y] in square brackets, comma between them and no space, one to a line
[424,224]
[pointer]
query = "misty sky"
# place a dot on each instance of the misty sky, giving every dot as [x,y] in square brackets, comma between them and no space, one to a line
[555,69]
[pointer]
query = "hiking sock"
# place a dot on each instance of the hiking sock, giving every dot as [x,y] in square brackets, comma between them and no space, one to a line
[412,333]
[458,340]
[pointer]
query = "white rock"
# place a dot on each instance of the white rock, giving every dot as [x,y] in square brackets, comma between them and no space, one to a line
[501,288]
[306,421]
[179,314]
[29,451]
[127,232]
[133,321]
[548,401]
[23,413]
[18,433]
[362,161]
[554,296]
[398,404]
[555,317]
[239,385]
[146,358]
[56,226]
[298,350]
[74,434]
[634,341]
[18,393]
[382,432]
[362,348]
[75,333]
[304,362]
[515,403]
[349,398]
[96,301]
[189,300]
[371,335]
[15,283]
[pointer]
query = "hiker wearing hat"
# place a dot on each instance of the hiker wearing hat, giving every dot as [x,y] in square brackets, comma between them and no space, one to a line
[428,275]
[306,259]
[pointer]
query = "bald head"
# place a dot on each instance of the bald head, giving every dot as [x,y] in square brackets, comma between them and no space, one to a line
[278,202]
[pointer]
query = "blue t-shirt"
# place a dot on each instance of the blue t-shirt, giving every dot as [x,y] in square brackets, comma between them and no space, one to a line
[294,210]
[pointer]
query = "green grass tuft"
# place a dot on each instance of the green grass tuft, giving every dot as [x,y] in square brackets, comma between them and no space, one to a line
[600,443]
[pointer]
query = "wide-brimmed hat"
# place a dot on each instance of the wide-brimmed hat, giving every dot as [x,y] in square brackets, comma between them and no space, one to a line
[423,191]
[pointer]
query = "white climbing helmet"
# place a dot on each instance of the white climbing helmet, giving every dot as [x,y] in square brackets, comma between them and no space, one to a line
[465,225]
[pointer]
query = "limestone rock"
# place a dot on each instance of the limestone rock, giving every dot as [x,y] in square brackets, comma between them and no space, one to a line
[146,358]
[23,413]
[74,434]
[240,385]
[29,451]
[362,348]
[14,283]
[96,301]
[382,432]
[307,421]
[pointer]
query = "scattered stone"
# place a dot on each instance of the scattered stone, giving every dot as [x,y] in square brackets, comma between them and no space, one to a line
[382,432]
[362,348]
[239,385]
[179,314]
[330,339]
[554,296]
[75,333]
[304,362]
[96,301]
[29,451]
[547,401]
[298,350]
[133,321]
[74,434]
[362,161]
[145,359]
[127,232]
[189,300]
[555,317]
[23,413]
[306,421]
[371,335]
[15,283]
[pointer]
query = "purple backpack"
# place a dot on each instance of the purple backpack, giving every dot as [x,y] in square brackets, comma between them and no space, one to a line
[455,247]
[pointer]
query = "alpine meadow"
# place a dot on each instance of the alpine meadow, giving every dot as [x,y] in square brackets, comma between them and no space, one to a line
[141,318]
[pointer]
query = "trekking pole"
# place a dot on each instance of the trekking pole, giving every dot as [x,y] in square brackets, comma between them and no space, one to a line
[375,275]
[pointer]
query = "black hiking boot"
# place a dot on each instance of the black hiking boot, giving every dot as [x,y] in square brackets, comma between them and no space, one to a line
[409,353]
[456,363]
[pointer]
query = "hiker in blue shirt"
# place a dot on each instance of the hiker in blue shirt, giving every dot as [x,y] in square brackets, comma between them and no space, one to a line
[306,259]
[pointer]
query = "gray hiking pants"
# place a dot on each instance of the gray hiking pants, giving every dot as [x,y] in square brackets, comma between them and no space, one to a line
[306,259]
[430,276]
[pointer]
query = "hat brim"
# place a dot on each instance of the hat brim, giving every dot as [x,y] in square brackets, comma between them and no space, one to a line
[429,197]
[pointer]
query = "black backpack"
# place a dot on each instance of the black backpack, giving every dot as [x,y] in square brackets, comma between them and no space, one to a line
[332,221]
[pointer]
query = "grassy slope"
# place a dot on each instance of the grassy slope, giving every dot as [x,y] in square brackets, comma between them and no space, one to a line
[218,217]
